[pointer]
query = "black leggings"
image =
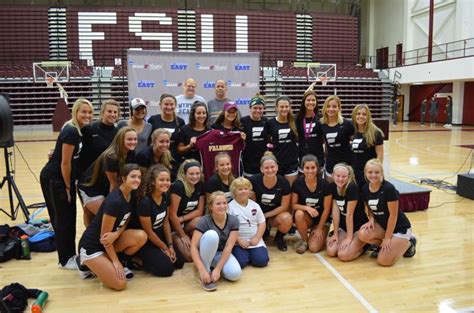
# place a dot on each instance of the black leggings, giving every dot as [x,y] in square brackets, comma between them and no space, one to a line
[156,262]
[62,214]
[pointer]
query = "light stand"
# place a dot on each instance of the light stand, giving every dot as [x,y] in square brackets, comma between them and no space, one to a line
[12,187]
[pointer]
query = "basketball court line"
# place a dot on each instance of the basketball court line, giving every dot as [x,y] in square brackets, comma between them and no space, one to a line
[346,284]
[397,141]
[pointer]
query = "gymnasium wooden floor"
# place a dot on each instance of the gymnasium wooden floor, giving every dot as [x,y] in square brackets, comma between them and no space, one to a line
[439,278]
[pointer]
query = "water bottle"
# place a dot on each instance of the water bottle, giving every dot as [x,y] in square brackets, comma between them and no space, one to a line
[40,302]
[25,247]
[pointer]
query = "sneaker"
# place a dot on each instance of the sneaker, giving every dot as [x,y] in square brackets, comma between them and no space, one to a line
[280,243]
[302,247]
[83,270]
[411,251]
[128,273]
[70,264]
[208,287]
[374,251]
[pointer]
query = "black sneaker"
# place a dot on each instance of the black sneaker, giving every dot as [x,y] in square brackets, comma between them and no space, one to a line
[280,242]
[411,251]
[374,251]
[84,271]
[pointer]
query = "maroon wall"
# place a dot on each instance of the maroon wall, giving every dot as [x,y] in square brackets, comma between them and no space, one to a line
[468,107]
[420,92]
[24,34]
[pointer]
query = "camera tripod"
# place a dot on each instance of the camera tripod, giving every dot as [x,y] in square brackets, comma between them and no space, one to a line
[12,187]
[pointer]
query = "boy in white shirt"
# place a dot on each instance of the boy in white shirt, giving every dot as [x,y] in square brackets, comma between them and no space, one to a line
[250,247]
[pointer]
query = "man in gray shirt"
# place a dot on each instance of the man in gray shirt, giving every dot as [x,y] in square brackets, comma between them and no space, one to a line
[186,100]
[215,105]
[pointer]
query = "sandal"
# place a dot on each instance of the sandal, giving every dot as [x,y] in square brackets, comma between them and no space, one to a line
[302,247]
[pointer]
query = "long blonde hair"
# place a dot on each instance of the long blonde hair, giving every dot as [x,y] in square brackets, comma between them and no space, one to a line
[75,108]
[166,158]
[116,151]
[325,118]
[351,178]
[185,166]
[291,118]
[374,162]
[370,130]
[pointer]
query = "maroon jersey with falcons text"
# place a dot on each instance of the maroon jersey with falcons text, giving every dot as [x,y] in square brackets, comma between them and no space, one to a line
[215,141]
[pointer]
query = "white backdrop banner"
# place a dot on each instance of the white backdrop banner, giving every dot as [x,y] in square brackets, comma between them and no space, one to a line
[152,73]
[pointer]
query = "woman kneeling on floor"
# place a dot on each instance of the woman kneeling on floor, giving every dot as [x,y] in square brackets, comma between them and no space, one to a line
[213,239]
[107,243]
[158,255]
[388,227]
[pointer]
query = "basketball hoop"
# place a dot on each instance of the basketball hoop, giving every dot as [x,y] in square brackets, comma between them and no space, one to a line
[323,80]
[50,81]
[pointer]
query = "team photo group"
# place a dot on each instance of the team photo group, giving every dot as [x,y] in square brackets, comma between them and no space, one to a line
[217,188]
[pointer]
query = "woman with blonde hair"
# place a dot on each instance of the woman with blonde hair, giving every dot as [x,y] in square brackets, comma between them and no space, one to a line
[284,137]
[98,135]
[103,175]
[58,182]
[337,133]
[159,152]
[187,200]
[212,243]
[367,142]
[388,226]
[223,176]
[348,215]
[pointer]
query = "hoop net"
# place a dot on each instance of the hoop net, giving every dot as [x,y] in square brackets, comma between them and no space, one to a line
[50,81]
[324,80]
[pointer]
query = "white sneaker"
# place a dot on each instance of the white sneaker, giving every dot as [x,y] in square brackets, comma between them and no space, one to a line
[128,273]
[70,265]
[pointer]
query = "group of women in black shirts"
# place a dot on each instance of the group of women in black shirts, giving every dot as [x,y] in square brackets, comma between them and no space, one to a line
[142,203]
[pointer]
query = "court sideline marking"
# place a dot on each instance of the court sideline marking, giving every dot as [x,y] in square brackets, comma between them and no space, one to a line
[346,284]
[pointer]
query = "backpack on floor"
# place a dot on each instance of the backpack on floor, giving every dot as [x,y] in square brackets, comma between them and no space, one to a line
[42,241]
[10,246]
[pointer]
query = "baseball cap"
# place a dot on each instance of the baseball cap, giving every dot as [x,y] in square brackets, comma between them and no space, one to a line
[137,102]
[230,105]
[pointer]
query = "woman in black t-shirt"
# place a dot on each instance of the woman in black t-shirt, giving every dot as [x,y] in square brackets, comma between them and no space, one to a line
[58,182]
[97,136]
[159,152]
[169,121]
[103,175]
[337,133]
[158,254]
[272,192]
[388,227]
[311,201]
[254,127]
[309,128]
[107,245]
[186,205]
[348,215]
[198,117]
[284,137]
[367,142]
[223,177]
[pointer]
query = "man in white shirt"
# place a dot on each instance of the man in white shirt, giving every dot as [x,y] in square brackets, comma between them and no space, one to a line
[186,100]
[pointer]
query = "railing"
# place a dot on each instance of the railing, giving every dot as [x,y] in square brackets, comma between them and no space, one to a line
[441,52]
